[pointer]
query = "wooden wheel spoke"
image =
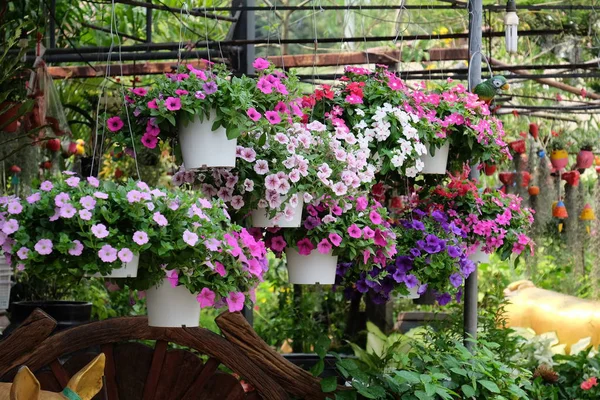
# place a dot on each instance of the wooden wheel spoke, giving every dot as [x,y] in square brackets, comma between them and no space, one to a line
[110,380]
[61,375]
[160,351]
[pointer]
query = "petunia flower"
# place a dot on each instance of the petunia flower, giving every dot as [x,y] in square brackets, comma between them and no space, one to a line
[173,103]
[43,247]
[206,298]
[140,238]
[235,301]
[114,124]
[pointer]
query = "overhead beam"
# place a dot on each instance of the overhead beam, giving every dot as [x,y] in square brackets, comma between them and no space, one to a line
[114,70]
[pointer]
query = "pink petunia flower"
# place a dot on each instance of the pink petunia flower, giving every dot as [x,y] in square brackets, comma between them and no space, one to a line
[100,231]
[114,124]
[375,217]
[88,202]
[264,86]
[67,211]
[278,243]
[107,253]
[361,204]
[305,246]
[85,215]
[206,298]
[34,198]
[43,247]
[152,104]
[46,186]
[149,141]
[324,247]
[160,219]
[125,255]
[140,237]
[173,277]
[335,239]
[190,238]
[10,226]
[273,117]
[93,181]
[140,91]
[235,301]
[22,253]
[100,195]
[253,114]
[354,231]
[77,249]
[173,103]
[14,207]
[181,92]
[260,64]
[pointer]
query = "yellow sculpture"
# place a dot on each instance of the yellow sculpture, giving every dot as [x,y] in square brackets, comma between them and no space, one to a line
[83,385]
[545,311]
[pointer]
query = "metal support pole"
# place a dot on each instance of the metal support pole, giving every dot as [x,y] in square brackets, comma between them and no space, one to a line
[475,40]
[149,24]
[51,24]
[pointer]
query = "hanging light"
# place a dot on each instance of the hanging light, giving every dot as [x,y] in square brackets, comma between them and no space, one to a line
[511,23]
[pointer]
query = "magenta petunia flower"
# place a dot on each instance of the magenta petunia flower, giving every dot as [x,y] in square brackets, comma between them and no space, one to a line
[77,248]
[324,247]
[107,253]
[278,243]
[199,95]
[125,255]
[150,141]
[153,105]
[190,238]
[100,231]
[253,114]
[375,217]
[368,233]
[140,91]
[114,124]
[335,239]
[181,92]
[305,246]
[264,86]
[354,231]
[43,247]
[206,298]
[260,64]
[140,237]
[273,117]
[220,269]
[235,301]
[173,277]
[173,103]
[361,204]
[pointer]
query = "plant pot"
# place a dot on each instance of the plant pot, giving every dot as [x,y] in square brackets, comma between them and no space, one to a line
[66,313]
[479,256]
[311,269]
[585,159]
[489,169]
[414,319]
[260,218]
[11,109]
[6,273]
[172,307]
[436,164]
[559,158]
[128,270]
[203,147]
[426,299]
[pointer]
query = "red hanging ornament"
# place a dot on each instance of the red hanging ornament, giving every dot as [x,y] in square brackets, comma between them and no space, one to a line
[518,146]
[534,130]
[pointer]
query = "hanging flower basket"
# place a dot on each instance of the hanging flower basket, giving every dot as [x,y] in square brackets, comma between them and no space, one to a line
[172,307]
[585,159]
[311,269]
[260,218]
[203,147]
[437,163]
[128,270]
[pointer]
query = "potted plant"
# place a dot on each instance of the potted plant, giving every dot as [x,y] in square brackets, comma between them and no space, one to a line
[195,258]
[585,157]
[559,157]
[492,221]
[355,231]
[207,109]
[272,180]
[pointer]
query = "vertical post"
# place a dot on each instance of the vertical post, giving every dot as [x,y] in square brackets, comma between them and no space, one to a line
[475,39]
[149,23]
[52,24]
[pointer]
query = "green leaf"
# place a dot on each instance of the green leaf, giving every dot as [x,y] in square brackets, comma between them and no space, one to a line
[262,140]
[468,390]
[318,368]
[410,377]
[430,389]
[421,395]
[322,346]
[329,384]
[489,385]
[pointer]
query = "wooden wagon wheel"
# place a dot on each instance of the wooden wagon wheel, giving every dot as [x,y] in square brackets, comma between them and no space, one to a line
[136,371]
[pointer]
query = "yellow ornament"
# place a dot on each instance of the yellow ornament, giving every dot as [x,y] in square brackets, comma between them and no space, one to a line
[587,214]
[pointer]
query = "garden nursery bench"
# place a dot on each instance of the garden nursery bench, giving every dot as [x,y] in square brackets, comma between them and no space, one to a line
[149,363]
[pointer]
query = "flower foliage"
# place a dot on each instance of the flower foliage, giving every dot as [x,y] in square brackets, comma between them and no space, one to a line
[211,94]
[72,228]
[303,163]
[396,122]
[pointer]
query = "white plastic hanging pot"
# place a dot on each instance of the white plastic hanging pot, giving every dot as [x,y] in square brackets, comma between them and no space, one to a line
[479,256]
[260,218]
[172,307]
[128,270]
[436,164]
[311,269]
[203,147]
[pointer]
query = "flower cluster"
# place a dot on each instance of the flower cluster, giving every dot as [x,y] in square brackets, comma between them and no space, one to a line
[72,227]
[206,94]
[396,121]
[305,163]
[492,220]
[357,232]
[430,255]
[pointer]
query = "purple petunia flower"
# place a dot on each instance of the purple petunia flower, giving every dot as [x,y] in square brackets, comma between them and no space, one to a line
[210,87]
[311,222]
[361,286]
[466,266]
[454,252]
[439,216]
[411,281]
[456,280]
[418,225]
[444,299]
[404,263]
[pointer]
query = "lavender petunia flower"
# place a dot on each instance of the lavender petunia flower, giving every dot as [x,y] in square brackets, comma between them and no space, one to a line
[444,299]
[411,281]
[454,251]
[456,280]
[210,87]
